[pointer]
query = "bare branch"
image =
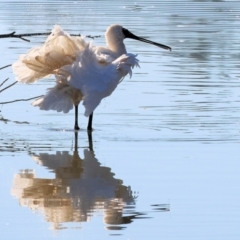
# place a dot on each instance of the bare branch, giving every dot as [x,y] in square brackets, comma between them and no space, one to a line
[7,86]
[3,82]
[7,78]
[89,36]
[6,66]
[21,36]
[18,100]
[12,35]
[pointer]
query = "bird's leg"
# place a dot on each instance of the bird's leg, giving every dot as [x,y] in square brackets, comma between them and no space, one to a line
[75,141]
[89,127]
[90,141]
[76,127]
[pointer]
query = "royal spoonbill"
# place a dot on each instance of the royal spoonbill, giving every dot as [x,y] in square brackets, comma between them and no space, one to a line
[83,72]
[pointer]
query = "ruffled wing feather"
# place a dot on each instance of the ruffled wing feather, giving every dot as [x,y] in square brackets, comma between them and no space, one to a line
[60,49]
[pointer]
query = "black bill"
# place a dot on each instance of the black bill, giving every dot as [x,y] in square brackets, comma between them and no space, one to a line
[128,34]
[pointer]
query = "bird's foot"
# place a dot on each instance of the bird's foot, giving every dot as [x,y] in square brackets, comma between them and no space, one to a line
[89,130]
[76,127]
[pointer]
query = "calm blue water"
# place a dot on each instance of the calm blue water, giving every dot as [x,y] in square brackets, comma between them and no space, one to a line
[164,159]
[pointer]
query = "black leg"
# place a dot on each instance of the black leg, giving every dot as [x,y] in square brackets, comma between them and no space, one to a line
[76,127]
[76,141]
[89,127]
[90,141]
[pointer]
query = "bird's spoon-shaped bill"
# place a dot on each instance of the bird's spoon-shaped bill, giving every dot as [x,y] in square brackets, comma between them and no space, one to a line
[128,34]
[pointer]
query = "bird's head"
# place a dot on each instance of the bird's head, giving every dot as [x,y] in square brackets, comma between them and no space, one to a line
[118,33]
[114,33]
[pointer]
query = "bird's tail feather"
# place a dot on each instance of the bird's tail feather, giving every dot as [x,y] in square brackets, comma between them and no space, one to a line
[56,100]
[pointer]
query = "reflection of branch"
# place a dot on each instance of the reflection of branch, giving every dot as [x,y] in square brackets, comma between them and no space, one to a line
[7,86]
[21,36]
[7,120]
[18,100]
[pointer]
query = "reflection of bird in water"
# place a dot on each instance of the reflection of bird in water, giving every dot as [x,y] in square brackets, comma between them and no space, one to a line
[83,72]
[81,186]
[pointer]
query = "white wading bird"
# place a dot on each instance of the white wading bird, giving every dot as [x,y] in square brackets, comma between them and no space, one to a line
[82,71]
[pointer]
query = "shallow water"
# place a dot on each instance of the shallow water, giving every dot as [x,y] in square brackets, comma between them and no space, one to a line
[164,156]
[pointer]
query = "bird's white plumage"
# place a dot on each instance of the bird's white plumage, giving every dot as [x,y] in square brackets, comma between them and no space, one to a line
[58,98]
[82,70]
[103,77]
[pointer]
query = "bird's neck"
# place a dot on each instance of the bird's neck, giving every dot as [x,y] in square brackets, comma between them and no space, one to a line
[117,47]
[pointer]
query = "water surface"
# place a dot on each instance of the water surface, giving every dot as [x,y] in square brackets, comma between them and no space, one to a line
[164,156]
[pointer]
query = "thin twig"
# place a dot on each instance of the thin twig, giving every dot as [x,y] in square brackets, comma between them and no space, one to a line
[12,35]
[21,36]
[89,36]
[6,66]
[3,82]
[8,86]
[18,100]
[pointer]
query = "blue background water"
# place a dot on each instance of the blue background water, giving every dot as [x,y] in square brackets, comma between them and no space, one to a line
[166,143]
